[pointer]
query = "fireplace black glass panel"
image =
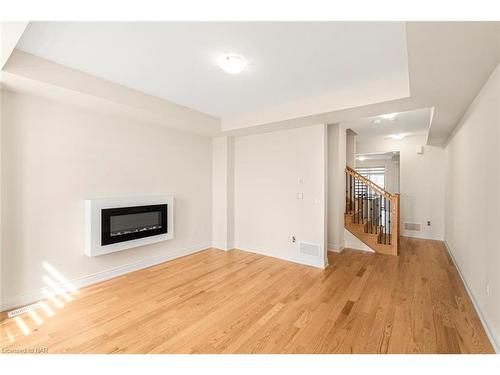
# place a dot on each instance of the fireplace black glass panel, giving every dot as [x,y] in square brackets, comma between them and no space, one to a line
[130,223]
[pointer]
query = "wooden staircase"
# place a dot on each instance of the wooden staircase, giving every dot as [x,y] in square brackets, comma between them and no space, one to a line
[371,213]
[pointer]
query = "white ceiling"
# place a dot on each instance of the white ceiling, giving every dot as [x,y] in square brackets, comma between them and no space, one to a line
[305,66]
[300,74]
[448,63]
[408,123]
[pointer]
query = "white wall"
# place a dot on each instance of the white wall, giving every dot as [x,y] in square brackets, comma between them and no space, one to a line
[223,193]
[53,81]
[422,182]
[55,155]
[337,156]
[350,147]
[473,203]
[270,169]
[353,242]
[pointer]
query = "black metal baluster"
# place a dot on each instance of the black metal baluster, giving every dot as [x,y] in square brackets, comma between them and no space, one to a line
[365,217]
[385,220]
[360,199]
[354,198]
[356,203]
[353,183]
[389,227]
[370,213]
[374,211]
[346,195]
[370,203]
[350,193]
[358,184]
[362,205]
[379,211]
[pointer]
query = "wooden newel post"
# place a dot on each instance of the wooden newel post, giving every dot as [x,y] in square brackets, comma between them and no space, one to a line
[395,222]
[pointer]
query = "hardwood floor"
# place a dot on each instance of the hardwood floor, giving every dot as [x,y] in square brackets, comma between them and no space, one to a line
[239,302]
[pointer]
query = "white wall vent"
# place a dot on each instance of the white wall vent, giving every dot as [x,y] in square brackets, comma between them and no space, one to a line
[24,309]
[311,249]
[413,226]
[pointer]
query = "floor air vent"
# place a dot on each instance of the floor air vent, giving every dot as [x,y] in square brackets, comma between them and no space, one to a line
[413,226]
[22,310]
[311,249]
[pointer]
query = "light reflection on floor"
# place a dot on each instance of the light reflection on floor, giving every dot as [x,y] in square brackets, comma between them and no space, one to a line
[22,326]
[57,287]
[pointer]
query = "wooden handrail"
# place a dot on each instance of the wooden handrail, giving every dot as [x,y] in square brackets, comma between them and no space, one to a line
[366,181]
[377,213]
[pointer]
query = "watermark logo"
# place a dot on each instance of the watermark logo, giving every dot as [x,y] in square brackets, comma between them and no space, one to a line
[26,350]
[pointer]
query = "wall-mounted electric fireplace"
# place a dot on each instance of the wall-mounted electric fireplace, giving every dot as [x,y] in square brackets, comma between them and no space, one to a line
[121,223]
[130,223]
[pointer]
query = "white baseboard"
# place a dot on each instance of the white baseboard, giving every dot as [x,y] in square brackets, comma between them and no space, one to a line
[222,246]
[337,248]
[8,303]
[495,342]
[423,235]
[318,262]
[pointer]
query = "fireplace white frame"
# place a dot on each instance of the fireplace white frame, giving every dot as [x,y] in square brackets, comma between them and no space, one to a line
[93,209]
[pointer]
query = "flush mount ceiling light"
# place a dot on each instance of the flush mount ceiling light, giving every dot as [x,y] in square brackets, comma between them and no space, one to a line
[232,63]
[361,158]
[377,121]
[397,136]
[389,116]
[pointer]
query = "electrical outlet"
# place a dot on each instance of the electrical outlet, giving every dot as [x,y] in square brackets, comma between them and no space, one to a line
[293,239]
[428,223]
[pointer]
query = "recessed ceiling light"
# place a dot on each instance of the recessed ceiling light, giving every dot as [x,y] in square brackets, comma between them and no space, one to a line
[389,116]
[232,63]
[377,121]
[397,136]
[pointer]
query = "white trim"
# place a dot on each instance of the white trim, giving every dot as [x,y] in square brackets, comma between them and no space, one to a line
[312,261]
[222,246]
[422,234]
[37,295]
[337,248]
[493,340]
